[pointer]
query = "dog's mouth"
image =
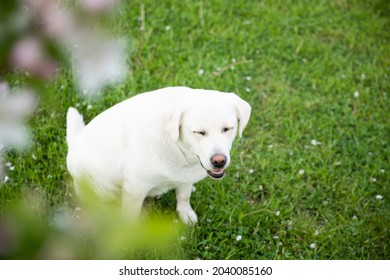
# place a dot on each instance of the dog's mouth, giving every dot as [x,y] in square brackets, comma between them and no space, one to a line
[216,173]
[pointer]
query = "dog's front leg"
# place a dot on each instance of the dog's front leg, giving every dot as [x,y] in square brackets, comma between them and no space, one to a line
[183,207]
[132,200]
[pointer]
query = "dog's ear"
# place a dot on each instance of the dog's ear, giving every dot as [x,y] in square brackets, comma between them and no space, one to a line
[173,118]
[243,110]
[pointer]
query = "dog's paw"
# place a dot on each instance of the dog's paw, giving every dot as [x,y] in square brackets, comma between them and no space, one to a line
[188,217]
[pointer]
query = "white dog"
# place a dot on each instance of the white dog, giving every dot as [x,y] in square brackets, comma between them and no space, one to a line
[156,141]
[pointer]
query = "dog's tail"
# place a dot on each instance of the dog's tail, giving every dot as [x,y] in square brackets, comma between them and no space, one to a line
[74,123]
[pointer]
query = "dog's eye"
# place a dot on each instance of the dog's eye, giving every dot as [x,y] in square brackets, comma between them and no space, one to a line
[226,129]
[200,132]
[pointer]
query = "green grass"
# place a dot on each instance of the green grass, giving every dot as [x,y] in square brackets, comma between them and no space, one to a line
[282,194]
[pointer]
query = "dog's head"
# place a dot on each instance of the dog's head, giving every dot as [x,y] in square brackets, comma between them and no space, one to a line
[206,124]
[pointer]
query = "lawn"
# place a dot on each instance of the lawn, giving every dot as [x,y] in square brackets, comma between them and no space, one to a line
[308,180]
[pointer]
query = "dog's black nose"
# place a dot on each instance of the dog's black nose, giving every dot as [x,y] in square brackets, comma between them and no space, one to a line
[218,160]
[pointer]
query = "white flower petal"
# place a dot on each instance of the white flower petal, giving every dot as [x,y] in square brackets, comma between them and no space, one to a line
[98,63]
[315,142]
